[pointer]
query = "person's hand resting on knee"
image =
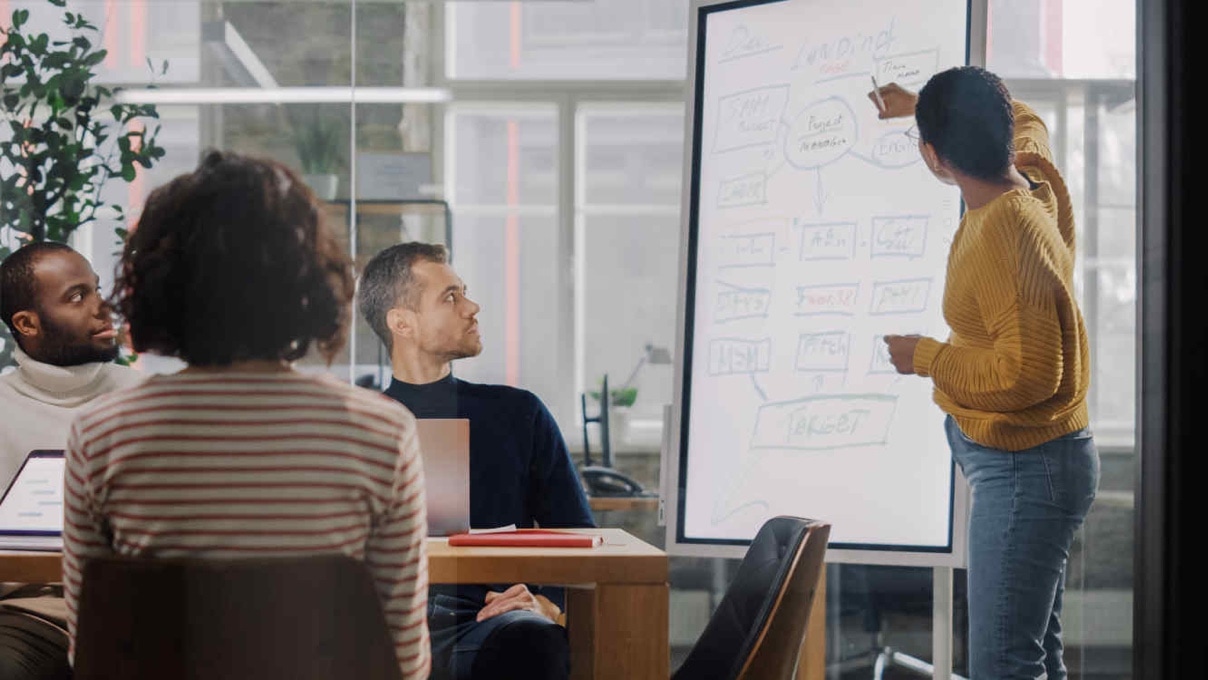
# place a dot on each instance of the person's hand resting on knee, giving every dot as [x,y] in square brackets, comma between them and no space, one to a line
[518,597]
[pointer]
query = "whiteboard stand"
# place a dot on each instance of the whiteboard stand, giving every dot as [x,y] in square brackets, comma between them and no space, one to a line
[941,636]
[790,267]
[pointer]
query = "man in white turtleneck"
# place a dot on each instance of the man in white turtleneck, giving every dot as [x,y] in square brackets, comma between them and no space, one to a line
[66,343]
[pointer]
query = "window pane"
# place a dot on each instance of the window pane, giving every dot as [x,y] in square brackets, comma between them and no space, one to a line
[517,289]
[131,31]
[1044,54]
[632,272]
[504,157]
[629,231]
[1099,39]
[599,40]
[1114,342]
[501,165]
[1062,38]
[633,158]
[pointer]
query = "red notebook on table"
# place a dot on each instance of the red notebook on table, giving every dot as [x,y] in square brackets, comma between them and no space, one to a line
[527,538]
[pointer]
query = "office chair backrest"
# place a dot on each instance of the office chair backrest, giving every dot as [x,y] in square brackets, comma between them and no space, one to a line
[759,626]
[306,618]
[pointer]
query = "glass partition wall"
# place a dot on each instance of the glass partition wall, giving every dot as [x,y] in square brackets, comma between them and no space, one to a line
[543,141]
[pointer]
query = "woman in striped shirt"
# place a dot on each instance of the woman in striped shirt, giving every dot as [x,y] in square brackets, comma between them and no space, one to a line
[233,270]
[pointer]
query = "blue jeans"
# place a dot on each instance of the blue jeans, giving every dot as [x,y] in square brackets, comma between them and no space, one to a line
[512,645]
[1026,506]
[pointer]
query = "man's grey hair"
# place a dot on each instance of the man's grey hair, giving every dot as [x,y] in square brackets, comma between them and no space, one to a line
[387,281]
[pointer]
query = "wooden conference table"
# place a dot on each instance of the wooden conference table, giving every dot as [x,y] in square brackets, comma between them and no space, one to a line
[616,606]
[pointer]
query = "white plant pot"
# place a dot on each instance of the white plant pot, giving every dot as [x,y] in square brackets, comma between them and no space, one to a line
[323,185]
[618,425]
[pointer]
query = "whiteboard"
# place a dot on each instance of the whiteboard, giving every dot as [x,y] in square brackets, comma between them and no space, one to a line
[811,230]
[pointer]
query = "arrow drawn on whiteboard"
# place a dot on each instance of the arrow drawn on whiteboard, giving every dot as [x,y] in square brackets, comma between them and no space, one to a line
[780,160]
[862,157]
[820,195]
[758,389]
[718,517]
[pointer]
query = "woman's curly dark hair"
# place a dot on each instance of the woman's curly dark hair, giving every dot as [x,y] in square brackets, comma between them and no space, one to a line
[965,113]
[234,261]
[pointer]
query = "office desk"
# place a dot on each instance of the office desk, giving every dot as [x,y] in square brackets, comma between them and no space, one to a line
[616,606]
[623,502]
[30,567]
[616,602]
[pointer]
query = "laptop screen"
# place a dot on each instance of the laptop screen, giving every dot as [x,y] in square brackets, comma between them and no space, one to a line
[32,506]
[33,503]
[445,450]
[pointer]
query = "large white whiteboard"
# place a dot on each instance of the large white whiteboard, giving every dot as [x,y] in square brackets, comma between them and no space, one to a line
[811,230]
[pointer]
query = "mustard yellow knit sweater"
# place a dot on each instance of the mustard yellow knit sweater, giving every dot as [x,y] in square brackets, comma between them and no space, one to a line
[1016,367]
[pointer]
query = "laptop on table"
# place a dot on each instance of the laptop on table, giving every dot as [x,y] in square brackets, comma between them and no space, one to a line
[31,509]
[444,445]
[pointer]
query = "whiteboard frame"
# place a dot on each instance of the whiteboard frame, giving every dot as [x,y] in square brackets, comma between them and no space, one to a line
[670,473]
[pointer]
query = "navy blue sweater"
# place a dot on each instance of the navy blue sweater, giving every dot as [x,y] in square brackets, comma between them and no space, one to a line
[520,470]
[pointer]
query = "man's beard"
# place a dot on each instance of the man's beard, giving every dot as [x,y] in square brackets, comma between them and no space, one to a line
[467,350]
[462,353]
[59,348]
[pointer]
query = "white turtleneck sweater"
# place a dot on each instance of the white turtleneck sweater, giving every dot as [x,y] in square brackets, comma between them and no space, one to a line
[38,402]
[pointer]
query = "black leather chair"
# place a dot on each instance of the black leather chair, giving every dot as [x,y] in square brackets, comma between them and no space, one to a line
[757,630]
[308,618]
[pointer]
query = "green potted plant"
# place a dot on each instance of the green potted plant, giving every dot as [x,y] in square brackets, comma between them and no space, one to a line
[620,400]
[66,137]
[318,140]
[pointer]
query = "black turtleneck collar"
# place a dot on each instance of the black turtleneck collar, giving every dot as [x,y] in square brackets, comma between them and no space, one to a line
[429,400]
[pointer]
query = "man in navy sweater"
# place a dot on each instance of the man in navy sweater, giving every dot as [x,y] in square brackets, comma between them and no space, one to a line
[520,470]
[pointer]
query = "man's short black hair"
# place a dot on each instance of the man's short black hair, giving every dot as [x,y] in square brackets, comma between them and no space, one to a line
[18,287]
[387,280]
[965,113]
[234,262]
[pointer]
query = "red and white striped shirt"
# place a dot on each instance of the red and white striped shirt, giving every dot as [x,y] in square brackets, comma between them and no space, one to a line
[253,465]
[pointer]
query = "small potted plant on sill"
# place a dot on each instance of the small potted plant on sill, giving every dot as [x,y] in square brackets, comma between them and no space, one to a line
[318,142]
[620,400]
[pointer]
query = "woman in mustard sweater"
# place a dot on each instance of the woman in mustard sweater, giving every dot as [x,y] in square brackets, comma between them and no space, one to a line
[1013,374]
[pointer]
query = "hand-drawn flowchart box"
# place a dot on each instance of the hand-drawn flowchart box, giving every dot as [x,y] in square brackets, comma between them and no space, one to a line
[747,250]
[828,241]
[741,303]
[826,351]
[749,118]
[899,236]
[832,298]
[735,356]
[908,70]
[907,296]
[825,422]
[748,189]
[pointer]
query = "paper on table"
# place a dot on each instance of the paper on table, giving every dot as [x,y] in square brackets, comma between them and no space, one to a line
[531,538]
[496,530]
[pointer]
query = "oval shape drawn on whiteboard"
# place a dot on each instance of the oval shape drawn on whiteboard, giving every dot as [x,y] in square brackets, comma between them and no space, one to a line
[895,150]
[821,134]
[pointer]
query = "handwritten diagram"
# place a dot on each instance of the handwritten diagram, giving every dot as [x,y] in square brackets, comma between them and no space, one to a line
[819,231]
